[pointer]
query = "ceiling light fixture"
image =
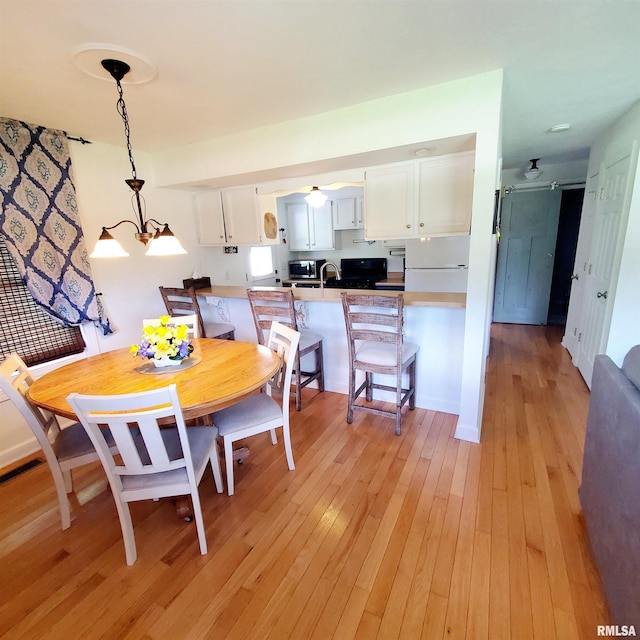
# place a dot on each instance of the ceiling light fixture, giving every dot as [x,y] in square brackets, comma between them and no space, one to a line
[559,128]
[533,171]
[157,236]
[315,198]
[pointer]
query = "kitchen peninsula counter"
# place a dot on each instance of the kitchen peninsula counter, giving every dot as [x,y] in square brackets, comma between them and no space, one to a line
[411,298]
[433,321]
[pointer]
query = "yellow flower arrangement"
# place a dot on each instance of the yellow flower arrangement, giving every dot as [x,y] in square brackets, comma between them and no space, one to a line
[165,340]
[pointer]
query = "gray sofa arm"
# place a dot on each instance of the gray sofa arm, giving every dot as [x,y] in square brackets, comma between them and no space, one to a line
[610,490]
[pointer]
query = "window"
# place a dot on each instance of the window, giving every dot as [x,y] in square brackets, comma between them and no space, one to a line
[261,262]
[24,327]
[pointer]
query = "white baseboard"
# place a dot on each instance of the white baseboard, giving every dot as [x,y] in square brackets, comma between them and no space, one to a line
[22,450]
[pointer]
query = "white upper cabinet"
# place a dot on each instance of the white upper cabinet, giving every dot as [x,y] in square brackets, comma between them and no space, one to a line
[236,216]
[210,218]
[389,201]
[310,229]
[445,194]
[428,197]
[347,213]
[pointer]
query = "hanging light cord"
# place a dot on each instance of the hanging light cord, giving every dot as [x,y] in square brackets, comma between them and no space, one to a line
[122,110]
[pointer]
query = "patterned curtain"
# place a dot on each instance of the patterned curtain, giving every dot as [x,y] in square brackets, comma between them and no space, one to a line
[40,224]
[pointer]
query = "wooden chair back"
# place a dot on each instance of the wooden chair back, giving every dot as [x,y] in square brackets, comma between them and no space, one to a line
[271,306]
[374,319]
[182,302]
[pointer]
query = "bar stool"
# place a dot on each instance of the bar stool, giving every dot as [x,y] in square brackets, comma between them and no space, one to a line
[376,346]
[185,301]
[267,306]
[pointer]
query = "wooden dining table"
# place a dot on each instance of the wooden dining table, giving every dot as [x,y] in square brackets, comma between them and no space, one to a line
[217,374]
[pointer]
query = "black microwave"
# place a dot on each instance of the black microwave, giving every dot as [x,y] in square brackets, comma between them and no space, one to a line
[301,269]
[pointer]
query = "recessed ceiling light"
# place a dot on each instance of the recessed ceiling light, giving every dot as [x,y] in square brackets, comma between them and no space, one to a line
[559,128]
[422,152]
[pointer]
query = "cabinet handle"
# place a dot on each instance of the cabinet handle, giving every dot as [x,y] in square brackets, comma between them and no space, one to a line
[221,237]
[575,277]
[602,294]
[408,226]
[422,224]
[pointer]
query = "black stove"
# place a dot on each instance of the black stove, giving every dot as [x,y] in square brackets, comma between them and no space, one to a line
[359,273]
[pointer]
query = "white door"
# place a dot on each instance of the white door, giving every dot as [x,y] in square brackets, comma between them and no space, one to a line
[528,230]
[602,269]
[573,327]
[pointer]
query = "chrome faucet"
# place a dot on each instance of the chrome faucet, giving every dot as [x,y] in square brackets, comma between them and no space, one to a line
[323,269]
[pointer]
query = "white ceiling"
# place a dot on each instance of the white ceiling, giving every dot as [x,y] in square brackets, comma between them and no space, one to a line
[224,67]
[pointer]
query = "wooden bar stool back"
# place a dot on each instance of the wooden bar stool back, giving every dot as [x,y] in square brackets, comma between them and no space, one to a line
[376,346]
[278,306]
[185,301]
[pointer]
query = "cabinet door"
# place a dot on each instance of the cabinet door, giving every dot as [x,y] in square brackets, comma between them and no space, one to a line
[240,206]
[389,200]
[321,228]
[445,193]
[344,213]
[298,223]
[209,217]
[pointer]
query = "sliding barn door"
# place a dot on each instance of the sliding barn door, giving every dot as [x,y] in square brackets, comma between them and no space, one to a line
[528,230]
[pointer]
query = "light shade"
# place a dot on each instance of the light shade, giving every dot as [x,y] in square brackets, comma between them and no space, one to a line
[315,198]
[164,243]
[108,247]
[533,172]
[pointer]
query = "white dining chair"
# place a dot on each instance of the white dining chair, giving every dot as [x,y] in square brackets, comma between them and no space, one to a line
[64,448]
[191,321]
[261,412]
[155,462]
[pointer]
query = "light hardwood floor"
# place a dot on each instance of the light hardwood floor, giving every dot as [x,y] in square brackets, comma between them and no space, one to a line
[372,536]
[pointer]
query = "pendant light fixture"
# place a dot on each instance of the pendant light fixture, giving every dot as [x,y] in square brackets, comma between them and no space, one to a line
[533,171]
[157,236]
[315,198]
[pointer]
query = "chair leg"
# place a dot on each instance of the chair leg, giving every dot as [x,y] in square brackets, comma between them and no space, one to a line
[60,482]
[398,402]
[228,459]
[197,513]
[68,480]
[352,390]
[286,436]
[369,378]
[274,437]
[215,468]
[127,528]
[298,382]
[412,385]
[320,366]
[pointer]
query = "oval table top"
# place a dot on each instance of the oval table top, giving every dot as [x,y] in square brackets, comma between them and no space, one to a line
[227,371]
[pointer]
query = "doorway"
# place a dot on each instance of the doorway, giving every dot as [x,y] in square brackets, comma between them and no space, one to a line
[566,246]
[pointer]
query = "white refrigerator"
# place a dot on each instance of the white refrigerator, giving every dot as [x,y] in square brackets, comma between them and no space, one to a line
[437,264]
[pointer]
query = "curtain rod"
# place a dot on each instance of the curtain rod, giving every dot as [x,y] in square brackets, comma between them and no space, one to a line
[78,139]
